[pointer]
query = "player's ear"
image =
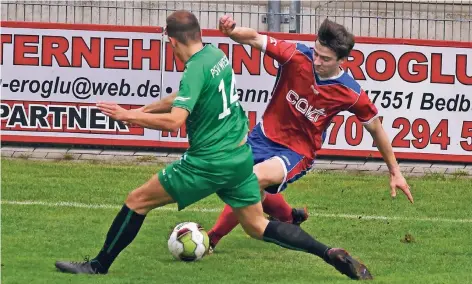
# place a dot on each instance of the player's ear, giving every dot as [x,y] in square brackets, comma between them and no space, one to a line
[342,60]
[173,42]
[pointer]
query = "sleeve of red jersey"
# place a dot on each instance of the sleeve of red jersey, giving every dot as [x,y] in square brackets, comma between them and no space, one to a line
[364,109]
[279,50]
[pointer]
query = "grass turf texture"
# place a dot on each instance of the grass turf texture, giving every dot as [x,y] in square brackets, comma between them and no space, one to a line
[405,250]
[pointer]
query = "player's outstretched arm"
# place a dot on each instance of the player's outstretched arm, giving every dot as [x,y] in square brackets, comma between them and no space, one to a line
[240,34]
[161,106]
[385,148]
[171,121]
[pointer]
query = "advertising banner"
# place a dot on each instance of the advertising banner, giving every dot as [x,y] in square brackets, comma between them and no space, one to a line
[53,74]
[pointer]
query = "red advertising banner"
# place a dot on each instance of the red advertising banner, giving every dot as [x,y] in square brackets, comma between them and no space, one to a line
[53,74]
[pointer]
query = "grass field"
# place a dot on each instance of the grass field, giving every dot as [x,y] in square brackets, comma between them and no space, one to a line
[58,221]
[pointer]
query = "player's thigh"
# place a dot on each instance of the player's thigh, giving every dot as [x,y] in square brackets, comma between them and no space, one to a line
[148,196]
[272,161]
[285,167]
[252,219]
[270,172]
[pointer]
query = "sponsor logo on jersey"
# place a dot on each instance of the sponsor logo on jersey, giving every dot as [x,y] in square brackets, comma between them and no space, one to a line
[302,105]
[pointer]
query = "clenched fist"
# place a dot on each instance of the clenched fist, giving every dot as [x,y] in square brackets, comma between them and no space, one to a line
[227,25]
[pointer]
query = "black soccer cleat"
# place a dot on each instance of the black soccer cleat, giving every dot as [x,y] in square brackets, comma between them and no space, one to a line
[347,265]
[78,267]
[299,215]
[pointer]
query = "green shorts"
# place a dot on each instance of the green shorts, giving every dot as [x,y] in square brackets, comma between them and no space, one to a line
[230,176]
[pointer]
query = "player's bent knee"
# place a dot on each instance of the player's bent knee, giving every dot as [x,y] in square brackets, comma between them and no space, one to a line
[134,198]
[137,201]
[147,197]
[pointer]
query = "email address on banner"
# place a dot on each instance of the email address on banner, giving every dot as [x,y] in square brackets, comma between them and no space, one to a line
[82,88]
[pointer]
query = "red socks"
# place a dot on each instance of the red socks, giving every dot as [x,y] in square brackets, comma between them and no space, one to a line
[273,205]
[226,222]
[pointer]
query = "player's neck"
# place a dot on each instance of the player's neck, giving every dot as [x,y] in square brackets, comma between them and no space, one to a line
[336,73]
[191,50]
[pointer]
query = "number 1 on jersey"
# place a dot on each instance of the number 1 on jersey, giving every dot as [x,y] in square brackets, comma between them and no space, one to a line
[232,99]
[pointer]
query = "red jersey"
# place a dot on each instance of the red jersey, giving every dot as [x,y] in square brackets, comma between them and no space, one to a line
[302,104]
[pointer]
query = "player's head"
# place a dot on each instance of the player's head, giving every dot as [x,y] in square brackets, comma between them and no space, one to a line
[332,47]
[183,31]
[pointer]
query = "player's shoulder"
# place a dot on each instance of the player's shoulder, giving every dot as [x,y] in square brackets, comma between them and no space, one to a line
[305,51]
[206,55]
[347,82]
[206,59]
[302,54]
[212,49]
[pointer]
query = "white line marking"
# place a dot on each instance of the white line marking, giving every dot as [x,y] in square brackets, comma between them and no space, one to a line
[170,208]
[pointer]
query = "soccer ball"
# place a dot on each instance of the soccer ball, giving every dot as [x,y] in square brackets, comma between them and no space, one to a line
[188,242]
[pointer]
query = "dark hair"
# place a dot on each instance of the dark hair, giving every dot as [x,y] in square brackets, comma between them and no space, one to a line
[336,37]
[183,26]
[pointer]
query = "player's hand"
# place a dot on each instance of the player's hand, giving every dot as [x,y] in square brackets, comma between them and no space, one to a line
[113,110]
[227,25]
[398,181]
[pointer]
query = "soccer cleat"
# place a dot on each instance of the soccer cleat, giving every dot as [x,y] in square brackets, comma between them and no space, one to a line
[299,215]
[211,249]
[347,265]
[78,267]
[212,245]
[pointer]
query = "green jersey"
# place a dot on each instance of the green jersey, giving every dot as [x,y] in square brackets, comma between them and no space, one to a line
[216,121]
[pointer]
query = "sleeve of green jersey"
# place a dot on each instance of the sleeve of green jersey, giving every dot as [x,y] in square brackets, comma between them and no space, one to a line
[191,85]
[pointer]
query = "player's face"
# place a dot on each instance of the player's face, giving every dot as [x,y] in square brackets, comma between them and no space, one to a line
[325,61]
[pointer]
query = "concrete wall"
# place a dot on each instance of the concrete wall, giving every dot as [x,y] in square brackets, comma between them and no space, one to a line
[424,19]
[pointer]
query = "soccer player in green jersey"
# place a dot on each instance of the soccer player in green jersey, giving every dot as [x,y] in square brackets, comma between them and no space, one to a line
[217,161]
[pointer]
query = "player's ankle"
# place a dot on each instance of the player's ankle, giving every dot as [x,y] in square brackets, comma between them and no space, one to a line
[214,238]
[97,266]
[326,255]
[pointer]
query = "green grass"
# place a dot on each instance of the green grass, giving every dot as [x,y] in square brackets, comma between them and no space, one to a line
[35,236]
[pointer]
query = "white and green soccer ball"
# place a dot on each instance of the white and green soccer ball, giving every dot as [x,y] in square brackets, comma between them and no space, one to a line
[188,242]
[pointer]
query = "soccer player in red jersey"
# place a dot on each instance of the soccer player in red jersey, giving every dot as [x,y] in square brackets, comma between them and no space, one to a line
[310,89]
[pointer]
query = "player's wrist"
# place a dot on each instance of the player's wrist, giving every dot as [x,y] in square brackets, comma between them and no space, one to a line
[233,35]
[395,170]
[130,115]
[141,109]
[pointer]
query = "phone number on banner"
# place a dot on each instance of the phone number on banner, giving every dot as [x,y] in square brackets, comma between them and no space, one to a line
[423,132]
